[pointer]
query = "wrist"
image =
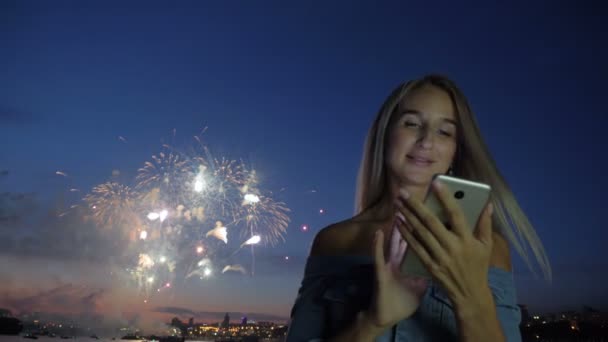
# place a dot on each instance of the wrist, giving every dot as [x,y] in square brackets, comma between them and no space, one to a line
[477,318]
[478,306]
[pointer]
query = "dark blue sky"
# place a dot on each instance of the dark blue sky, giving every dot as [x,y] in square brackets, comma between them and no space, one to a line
[292,89]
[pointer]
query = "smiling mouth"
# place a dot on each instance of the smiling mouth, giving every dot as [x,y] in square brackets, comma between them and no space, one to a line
[417,161]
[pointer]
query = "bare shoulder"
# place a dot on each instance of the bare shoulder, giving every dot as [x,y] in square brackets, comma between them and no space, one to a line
[501,256]
[336,239]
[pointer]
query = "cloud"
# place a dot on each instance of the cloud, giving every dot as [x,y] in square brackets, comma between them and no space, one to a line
[63,298]
[175,311]
[215,316]
[27,231]
[87,307]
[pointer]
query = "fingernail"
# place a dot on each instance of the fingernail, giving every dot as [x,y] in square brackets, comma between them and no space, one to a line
[405,194]
[401,217]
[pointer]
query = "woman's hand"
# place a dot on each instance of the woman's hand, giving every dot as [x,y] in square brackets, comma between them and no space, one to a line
[458,258]
[395,296]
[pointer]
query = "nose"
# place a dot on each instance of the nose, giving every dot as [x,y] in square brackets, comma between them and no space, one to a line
[426,139]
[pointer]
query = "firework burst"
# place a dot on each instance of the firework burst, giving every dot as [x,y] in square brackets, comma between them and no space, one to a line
[188,216]
[264,216]
[165,177]
[113,205]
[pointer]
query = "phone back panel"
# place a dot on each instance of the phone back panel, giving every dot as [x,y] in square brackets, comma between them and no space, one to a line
[475,197]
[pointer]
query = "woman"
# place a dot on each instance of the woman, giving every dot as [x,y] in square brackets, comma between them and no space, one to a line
[353,291]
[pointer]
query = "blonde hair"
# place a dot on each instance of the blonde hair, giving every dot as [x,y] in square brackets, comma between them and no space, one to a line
[472,161]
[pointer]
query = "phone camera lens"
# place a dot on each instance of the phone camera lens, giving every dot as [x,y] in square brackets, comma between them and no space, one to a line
[459,194]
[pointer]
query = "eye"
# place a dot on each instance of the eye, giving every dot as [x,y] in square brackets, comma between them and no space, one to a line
[411,124]
[446,133]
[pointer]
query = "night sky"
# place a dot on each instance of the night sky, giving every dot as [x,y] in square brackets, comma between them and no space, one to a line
[88,88]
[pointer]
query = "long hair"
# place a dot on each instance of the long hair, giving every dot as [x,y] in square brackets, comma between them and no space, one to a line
[472,161]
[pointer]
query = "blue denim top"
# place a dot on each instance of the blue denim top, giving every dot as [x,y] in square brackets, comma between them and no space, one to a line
[336,288]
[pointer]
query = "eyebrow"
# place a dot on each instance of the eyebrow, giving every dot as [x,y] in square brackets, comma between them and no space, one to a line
[418,113]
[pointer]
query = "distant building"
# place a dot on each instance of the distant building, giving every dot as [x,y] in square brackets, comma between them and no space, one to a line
[568,315]
[244,320]
[5,313]
[9,325]
[226,321]
[265,324]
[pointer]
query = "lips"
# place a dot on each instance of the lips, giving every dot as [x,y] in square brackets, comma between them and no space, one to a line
[418,159]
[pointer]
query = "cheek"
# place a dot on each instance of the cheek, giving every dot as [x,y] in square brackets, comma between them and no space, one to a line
[448,152]
[398,146]
[401,141]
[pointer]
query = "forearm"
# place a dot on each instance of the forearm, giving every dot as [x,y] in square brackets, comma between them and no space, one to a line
[477,319]
[361,330]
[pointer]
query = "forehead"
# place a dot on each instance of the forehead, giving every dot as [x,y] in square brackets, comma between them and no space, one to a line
[430,101]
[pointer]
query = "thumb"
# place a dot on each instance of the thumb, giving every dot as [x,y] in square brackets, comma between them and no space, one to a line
[379,253]
[484,224]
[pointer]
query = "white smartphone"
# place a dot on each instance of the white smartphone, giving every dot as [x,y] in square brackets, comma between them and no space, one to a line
[471,197]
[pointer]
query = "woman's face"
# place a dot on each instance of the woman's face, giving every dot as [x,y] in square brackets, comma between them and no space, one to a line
[421,137]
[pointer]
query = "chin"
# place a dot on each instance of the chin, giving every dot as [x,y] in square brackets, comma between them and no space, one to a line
[419,181]
[411,175]
[418,178]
